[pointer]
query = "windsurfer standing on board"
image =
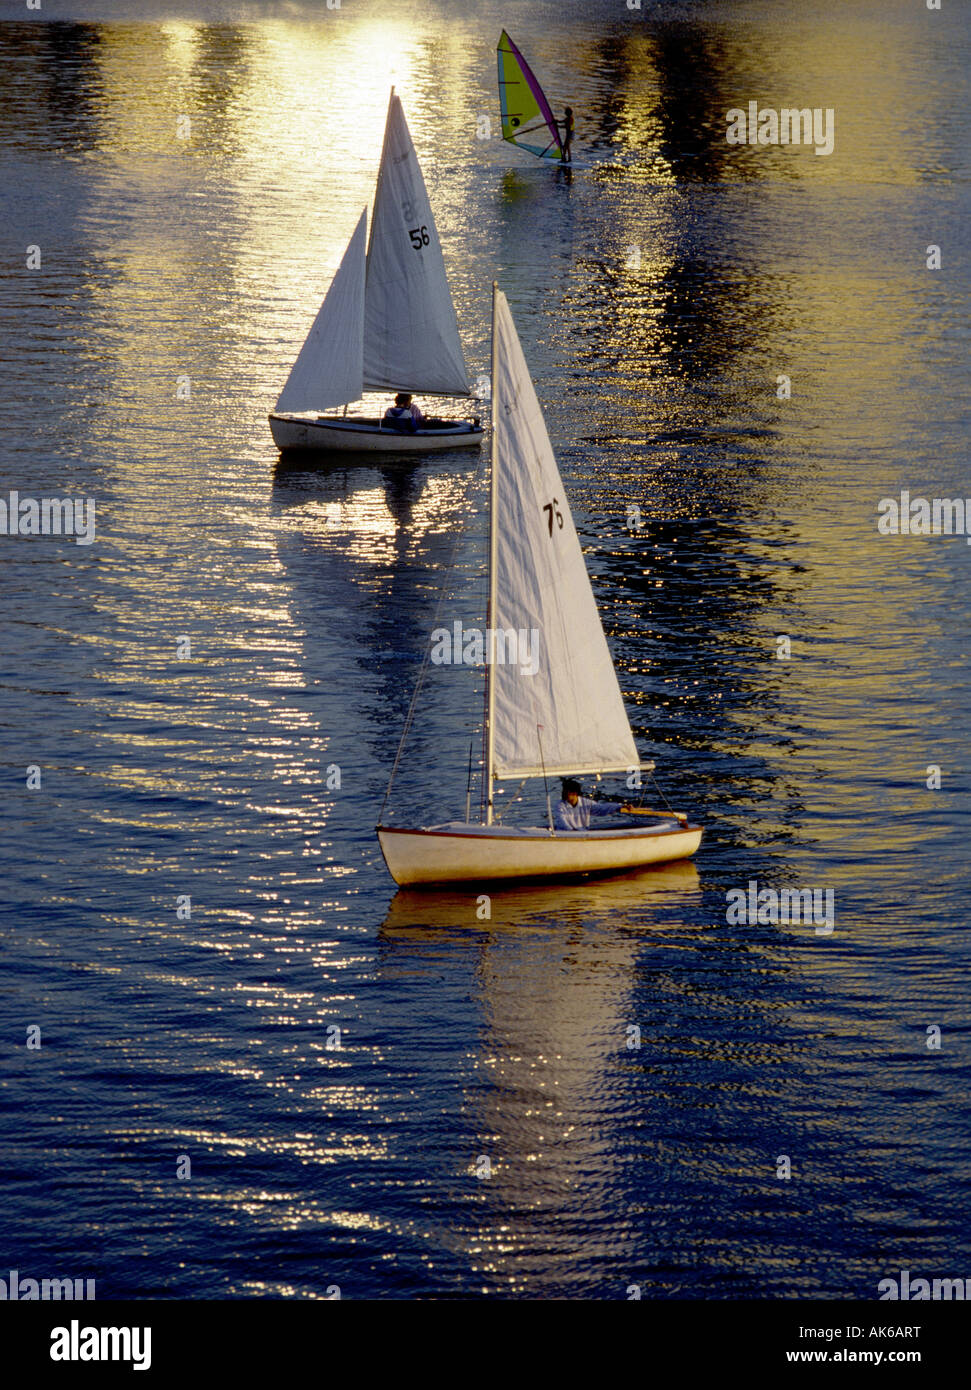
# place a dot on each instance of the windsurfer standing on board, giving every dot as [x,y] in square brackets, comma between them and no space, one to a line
[567,124]
[575,811]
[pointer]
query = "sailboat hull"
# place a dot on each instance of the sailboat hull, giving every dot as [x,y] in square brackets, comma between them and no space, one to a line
[354,434]
[457,852]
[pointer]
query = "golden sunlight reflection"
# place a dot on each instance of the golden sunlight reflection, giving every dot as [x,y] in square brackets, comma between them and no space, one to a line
[362,524]
[182,42]
[291,123]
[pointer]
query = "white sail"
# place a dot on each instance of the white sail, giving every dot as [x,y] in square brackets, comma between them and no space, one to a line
[329,369]
[541,584]
[411,338]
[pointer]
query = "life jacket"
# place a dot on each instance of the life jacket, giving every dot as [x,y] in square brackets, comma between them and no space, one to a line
[400,418]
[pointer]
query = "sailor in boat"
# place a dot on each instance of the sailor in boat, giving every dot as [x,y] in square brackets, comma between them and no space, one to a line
[576,811]
[567,124]
[403,415]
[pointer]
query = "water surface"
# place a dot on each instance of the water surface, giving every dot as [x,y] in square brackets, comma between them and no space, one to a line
[308,595]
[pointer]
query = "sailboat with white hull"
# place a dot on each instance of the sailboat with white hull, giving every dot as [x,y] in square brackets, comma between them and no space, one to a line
[387,324]
[568,717]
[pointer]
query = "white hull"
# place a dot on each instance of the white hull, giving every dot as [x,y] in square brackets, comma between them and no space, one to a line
[456,852]
[351,435]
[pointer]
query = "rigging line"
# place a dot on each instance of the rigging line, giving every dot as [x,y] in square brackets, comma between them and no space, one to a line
[527,130]
[468,785]
[517,797]
[485,736]
[519,791]
[449,569]
[660,793]
[542,759]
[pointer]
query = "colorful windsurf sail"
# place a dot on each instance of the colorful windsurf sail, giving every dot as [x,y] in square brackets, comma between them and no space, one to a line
[527,120]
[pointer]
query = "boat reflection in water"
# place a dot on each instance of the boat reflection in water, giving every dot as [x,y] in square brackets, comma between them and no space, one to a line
[544,1033]
[626,899]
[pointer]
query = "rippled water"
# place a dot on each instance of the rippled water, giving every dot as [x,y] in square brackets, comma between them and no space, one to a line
[308,595]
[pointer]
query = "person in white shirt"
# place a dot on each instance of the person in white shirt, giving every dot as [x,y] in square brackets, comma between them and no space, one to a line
[576,811]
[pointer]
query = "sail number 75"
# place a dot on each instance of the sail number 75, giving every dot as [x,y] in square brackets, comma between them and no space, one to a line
[419,237]
[554,511]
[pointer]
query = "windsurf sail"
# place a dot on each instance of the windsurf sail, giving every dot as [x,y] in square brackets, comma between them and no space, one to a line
[527,120]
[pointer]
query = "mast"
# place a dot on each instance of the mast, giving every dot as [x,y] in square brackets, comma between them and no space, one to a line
[493,551]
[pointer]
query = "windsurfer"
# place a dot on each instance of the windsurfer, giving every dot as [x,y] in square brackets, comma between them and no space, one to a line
[567,124]
[575,811]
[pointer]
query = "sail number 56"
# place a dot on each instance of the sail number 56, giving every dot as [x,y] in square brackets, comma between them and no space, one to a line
[554,511]
[419,237]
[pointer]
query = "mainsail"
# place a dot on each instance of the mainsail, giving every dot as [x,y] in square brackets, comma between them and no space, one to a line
[329,369]
[541,582]
[411,338]
[527,120]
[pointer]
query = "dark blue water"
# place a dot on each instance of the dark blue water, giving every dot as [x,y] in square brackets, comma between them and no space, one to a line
[308,595]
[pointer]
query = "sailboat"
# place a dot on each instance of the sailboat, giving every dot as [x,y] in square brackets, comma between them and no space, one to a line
[527,121]
[566,719]
[387,324]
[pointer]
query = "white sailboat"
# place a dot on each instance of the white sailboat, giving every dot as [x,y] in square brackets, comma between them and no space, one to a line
[569,717]
[387,324]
